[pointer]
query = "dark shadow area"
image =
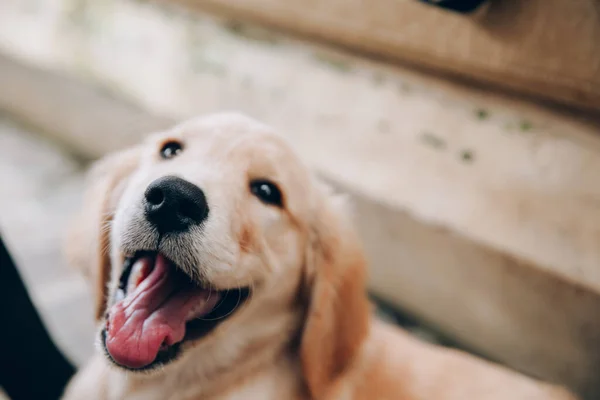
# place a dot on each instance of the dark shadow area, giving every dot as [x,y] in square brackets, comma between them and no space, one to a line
[31,366]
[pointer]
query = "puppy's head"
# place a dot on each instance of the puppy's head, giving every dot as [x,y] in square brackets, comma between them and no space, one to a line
[210,232]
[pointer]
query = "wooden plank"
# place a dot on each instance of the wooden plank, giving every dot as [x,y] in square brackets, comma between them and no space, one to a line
[479,212]
[89,122]
[547,48]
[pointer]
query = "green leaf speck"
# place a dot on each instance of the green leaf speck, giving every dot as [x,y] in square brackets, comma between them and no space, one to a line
[482,114]
[433,141]
[467,156]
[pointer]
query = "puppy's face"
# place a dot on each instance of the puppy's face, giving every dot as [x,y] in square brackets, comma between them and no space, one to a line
[210,218]
[212,240]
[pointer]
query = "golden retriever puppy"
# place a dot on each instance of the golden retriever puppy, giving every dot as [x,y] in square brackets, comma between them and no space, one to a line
[223,270]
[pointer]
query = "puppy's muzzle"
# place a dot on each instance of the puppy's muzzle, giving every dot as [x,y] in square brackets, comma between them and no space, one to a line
[174,205]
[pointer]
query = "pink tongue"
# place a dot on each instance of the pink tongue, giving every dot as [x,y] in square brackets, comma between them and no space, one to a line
[154,314]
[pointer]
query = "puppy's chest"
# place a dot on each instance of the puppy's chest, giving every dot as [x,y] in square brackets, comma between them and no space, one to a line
[274,385]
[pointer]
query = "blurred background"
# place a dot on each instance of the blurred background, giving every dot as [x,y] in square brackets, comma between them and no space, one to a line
[467,132]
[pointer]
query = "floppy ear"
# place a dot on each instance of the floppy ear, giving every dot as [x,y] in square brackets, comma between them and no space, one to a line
[88,238]
[338,315]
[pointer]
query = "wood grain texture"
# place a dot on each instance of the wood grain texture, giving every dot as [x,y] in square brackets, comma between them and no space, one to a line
[547,48]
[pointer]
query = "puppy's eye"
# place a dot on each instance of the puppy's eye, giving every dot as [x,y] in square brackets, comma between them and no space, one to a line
[170,149]
[267,192]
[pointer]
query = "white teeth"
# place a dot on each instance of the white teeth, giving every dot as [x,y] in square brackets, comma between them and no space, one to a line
[139,270]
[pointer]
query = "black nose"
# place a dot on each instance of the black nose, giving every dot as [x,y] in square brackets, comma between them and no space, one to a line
[174,204]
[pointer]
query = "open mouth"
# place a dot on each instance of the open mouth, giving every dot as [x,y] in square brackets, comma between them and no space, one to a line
[158,307]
